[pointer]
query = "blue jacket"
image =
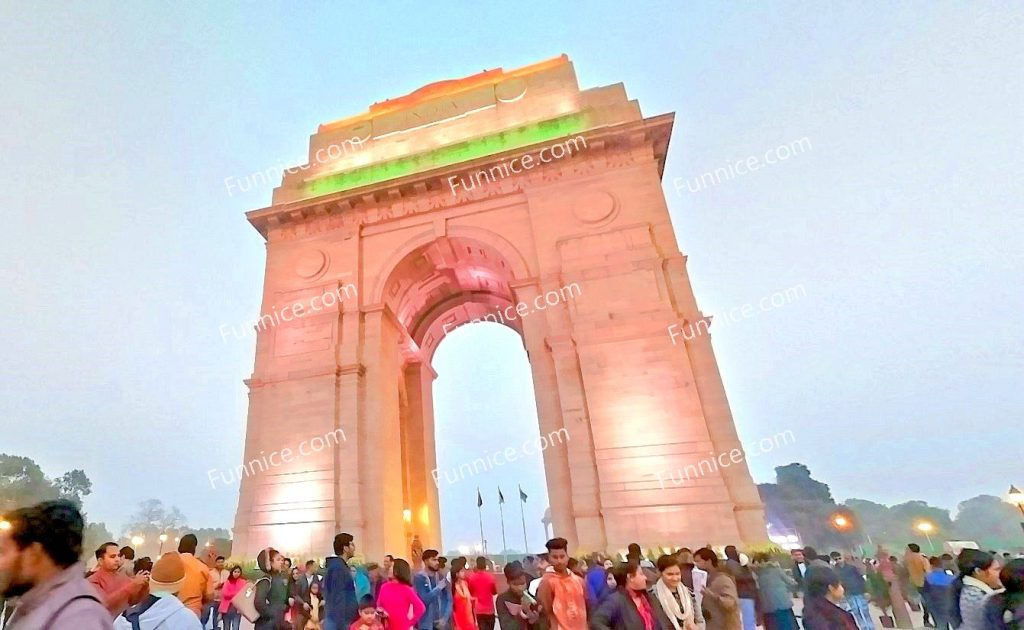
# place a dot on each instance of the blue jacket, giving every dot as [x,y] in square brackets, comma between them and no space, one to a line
[340,603]
[432,592]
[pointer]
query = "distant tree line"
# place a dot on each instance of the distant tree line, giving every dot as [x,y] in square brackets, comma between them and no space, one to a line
[797,502]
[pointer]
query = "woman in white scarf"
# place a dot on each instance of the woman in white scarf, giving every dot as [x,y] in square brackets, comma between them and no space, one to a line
[672,594]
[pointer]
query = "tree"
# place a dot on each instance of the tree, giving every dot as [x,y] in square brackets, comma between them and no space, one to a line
[799,502]
[991,522]
[22,483]
[73,486]
[152,519]
[94,535]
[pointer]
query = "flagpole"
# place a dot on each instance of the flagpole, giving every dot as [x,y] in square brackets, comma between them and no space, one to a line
[501,511]
[526,545]
[480,512]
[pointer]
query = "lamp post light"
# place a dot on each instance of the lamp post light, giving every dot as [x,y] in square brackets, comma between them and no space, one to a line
[137,541]
[1016,497]
[163,539]
[926,528]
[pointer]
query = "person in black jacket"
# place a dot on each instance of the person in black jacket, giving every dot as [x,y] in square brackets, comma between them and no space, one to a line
[630,607]
[271,599]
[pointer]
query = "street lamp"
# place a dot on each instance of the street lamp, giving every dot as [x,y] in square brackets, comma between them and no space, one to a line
[1016,497]
[163,539]
[926,528]
[841,522]
[137,541]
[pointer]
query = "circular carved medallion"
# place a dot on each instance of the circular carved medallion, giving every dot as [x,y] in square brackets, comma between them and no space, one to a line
[595,207]
[311,264]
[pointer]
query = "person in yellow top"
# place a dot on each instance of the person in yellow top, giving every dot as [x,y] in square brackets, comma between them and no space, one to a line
[917,567]
[198,587]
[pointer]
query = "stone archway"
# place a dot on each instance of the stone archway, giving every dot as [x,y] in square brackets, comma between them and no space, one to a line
[415,254]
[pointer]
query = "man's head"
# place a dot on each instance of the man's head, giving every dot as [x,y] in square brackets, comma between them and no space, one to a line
[344,545]
[914,547]
[810,554]
[388,561]
[542,562]
[36,543]
[310,567]
[287,564]
[188,544]
[219,563]
[935,562]
[481,563]
[633,551]
[705,559]
[108,557]
[516,578]
[430,559]
[798,555]
[127,553]
[558,554]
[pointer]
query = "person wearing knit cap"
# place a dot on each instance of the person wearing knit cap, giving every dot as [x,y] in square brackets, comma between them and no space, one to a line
[271,598]
[161,610]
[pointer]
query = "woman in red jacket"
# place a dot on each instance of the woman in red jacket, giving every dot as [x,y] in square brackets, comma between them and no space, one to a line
[463,615]
[398,599]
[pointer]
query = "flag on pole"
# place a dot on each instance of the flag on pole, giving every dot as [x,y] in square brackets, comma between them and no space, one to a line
[479,498]
[501,497]
[522,495]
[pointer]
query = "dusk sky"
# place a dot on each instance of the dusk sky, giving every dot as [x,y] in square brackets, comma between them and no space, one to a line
[899,371]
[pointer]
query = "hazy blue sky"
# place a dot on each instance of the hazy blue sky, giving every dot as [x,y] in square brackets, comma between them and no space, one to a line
[899,374]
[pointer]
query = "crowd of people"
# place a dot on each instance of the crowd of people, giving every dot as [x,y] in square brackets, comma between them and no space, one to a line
[44,586]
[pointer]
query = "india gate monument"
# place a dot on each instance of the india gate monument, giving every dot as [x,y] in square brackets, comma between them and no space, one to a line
[460,200]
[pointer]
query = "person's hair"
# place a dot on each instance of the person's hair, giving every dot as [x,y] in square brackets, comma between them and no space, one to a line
[232,568]
[543,557]
[102,549]
[574,563]
[809,553]
[441,561]
[188,544]
[389,557]
[835,554]
[818,579]
[458,564]
[968,561]
[731,553]
[428,554]
[144,563]
[1012,577]
[220,558]
[557,543]
[127,553]
[935,561]
[894,560]
[57,527]
[947,556]
[513,571]
[265,557]
[366,601]
[288,561]
[623,570]
[310,563]
[667,561]
[707,554]
[916,548]
[370,566]
[481,563]
[402,571]
[685,550]
[633,551]
[341,541]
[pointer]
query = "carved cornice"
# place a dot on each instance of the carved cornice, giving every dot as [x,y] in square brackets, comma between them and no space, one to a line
[620,146]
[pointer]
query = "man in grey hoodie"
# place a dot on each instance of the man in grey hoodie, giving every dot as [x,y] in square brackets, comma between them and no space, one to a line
[161,610]
[39,551]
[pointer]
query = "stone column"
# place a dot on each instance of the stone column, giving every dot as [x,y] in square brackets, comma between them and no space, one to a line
[420,457]
[748,509]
